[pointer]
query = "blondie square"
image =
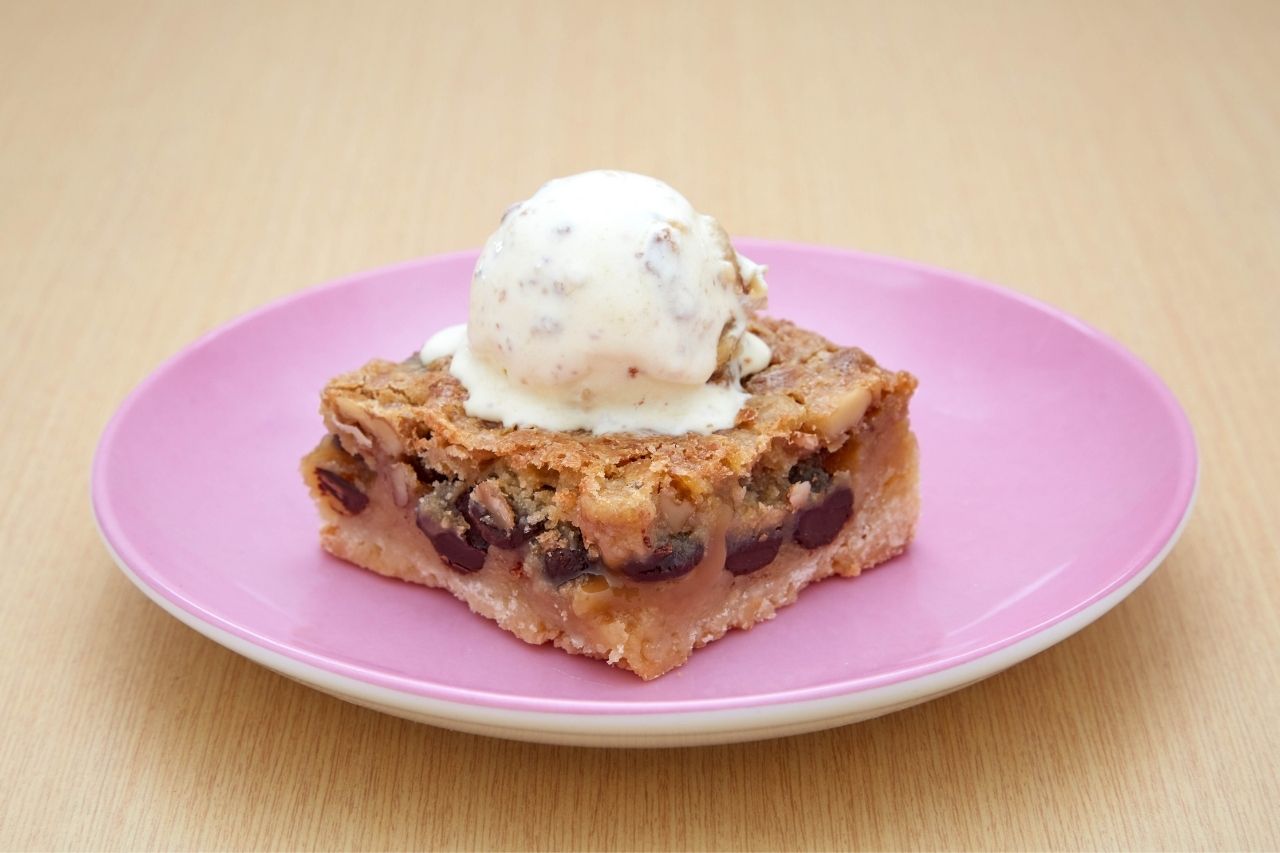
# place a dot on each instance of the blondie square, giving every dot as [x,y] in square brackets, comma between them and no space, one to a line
[633,548]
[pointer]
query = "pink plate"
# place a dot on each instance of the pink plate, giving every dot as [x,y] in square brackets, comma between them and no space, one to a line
[1057,471]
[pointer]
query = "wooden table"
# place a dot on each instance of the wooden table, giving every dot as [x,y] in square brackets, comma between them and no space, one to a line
[167,166]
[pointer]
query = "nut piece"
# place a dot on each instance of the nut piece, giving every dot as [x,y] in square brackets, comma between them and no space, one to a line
[494,502]
[844,415]
[674,512]
[376,430]
[491,515]
[358,438]
[401,477]
[798,494]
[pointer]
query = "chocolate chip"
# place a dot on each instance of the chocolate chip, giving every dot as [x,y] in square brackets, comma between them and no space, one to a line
[469,533]
[457,552]
[564,564]
[818,525]
[672,559]
[463,554]
[343,490]
[750,554]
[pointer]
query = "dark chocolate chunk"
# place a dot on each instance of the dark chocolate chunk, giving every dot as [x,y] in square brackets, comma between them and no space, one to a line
[671,559]
[744,556]
[468,531]
[343,490]
[457,552]
[564,564]
[819,524]
[461,551]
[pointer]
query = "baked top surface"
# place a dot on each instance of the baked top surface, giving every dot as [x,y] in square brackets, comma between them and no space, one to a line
[808,391]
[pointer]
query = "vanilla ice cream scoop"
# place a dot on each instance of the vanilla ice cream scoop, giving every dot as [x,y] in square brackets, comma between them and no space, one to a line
[607,303]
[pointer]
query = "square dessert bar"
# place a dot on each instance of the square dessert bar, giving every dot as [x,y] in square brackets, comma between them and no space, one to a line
[634,548]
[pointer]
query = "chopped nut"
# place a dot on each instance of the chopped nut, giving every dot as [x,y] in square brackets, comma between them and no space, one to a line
[374,429]
[674,511]
[359,439]
[402,479]
[495,503]
[803,443]
[844,414]
[799,494]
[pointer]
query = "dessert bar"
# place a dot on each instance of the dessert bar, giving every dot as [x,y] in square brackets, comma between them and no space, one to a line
[635,548]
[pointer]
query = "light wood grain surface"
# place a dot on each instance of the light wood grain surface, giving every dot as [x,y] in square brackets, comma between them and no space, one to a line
[167,166]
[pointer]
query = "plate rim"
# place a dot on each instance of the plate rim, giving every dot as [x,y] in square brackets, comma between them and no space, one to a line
[659,729]
[307,666]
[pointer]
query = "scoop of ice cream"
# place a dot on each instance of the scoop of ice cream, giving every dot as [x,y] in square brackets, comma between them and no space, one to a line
[606,302]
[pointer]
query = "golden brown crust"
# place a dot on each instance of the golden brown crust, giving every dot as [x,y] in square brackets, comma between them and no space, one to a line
[808,379]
